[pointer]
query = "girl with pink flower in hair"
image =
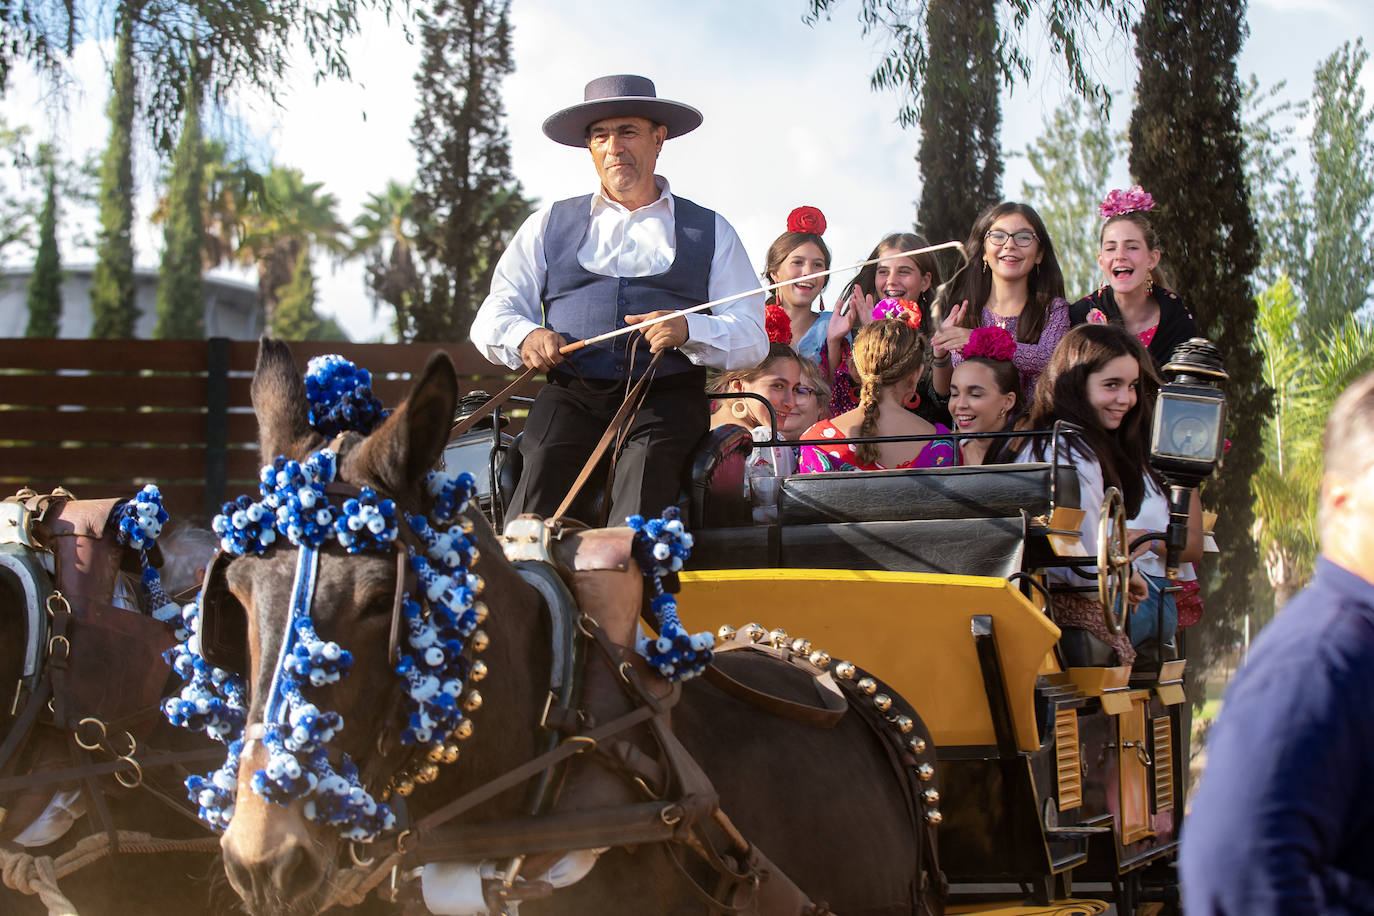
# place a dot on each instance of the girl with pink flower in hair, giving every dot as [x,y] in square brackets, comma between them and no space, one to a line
[1135,294]
[985,396]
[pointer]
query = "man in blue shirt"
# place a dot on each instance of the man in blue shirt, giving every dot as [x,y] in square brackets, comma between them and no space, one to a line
[1283,821]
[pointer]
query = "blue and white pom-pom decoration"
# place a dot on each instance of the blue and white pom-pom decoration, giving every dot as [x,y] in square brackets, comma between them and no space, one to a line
[660,547]
[294,507]
[140,522]
[341,397]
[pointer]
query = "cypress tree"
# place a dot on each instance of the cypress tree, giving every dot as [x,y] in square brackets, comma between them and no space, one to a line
[295,317]
[180,291]
[113,306]
[961,162]
[467,201]
[45,284]
[1186,150]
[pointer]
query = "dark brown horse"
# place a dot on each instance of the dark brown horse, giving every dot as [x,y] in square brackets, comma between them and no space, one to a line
[824,804]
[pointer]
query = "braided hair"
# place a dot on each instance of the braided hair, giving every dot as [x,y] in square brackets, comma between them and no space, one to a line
[886,352]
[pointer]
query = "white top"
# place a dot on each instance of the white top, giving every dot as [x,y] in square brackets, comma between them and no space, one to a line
[1090,493]
[626,243]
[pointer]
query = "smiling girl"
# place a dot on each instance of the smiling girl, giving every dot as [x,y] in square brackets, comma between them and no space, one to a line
[800,252]
[1011,280]
[1101,380]
[1134,295]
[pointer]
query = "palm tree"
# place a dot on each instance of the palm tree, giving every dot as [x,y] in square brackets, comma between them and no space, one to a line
[1305,385]
[388,221]
[289,216]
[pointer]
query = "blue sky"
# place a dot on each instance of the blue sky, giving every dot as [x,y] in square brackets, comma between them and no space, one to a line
[789,116]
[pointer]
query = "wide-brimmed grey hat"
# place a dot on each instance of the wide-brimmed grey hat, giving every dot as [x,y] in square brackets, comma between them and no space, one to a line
[619,95]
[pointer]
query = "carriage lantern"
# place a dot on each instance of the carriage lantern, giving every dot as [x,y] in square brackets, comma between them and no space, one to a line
[1187,441]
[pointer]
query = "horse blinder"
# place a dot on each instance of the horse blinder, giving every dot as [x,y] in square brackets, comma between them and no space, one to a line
[223,620]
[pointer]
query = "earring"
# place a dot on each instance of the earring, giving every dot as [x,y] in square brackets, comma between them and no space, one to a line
[1149,284]
[739,409]
[913,400]
[986,266]
[1001,413]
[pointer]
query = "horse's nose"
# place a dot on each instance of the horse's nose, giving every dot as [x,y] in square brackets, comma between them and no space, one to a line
[278,878]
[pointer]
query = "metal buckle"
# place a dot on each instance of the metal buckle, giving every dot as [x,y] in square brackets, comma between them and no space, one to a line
[526,538]
[16,525]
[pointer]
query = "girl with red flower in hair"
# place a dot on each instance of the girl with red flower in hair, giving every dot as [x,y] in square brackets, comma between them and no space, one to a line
[889,356]
[985,396]
[799,252]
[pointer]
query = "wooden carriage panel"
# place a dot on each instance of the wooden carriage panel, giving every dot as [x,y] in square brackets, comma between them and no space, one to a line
[104,417]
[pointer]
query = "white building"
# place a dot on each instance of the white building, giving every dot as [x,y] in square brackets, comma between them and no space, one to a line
[231,306]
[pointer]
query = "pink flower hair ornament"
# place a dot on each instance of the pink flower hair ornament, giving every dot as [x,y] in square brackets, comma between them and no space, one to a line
[904,309]
[990,343]
[1096,316]
[1119,202]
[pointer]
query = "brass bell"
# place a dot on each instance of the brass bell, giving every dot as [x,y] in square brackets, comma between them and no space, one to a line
[867,685]
[476,583]
[473,701]
[904,724]
[725,633]
[463,730]
[845,671]
[778,638]
[801,646]
[931,796]
[480,640]
[435,754]
[466,524]
[755,632]
[820,658]
[474,555]
[883,702]
[479,608]
[477,671]
[926,772]
[917,745]
[934,816]
[450,753]
[404,786]
[427,774]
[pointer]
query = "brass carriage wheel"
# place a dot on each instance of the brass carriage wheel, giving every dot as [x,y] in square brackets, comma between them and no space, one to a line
[1113,561]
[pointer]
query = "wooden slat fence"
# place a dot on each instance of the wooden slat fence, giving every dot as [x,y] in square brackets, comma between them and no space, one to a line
[104,417]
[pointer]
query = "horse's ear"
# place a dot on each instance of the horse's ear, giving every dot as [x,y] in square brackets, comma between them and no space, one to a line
[403,449]
[280,402]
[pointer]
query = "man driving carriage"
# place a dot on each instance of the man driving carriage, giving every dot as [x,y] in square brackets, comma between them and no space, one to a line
[630,251]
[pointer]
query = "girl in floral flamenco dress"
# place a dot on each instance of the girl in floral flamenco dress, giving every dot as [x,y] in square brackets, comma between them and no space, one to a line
[889,357]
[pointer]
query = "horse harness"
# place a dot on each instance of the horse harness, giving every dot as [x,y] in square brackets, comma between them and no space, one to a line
[71,626]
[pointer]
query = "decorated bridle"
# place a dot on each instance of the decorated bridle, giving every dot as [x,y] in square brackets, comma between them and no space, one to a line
[436,609]
[439,620]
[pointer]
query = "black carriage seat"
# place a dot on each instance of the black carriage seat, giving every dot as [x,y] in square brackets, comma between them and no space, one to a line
[964,520]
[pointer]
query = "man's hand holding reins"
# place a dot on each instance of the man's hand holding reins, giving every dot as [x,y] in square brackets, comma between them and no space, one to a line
[539,349]
[666,334]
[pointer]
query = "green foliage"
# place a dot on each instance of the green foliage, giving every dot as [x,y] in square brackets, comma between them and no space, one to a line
[113,307]
[18,211]
[180,291]
[1186,150]
[1335,277]
[1070,25]
[235,43]
[295,317]
[1073,160]
[960,157]
[467,202]
[45,283]
[1275,193]
[290,216]
[1306,382]
[387,240]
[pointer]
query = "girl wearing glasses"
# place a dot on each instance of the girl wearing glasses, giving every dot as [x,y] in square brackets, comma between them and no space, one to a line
[1011,280]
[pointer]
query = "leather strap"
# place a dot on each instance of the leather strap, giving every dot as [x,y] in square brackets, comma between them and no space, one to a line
[628,407]
[491,404]
[827,715]
[81,771]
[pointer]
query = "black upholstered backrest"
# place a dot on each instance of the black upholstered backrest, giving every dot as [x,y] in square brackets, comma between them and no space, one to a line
[715,479]
[986,491]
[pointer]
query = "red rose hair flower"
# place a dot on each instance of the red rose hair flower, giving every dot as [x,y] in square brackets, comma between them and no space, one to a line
[777,324]
[990,343]
[806,219]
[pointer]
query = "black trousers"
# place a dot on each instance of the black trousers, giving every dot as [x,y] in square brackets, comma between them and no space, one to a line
[567,420]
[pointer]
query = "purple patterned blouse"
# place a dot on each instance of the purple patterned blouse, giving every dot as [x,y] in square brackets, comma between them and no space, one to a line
[1031,358]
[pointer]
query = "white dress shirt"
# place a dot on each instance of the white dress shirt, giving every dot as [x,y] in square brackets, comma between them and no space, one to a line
[626,243]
